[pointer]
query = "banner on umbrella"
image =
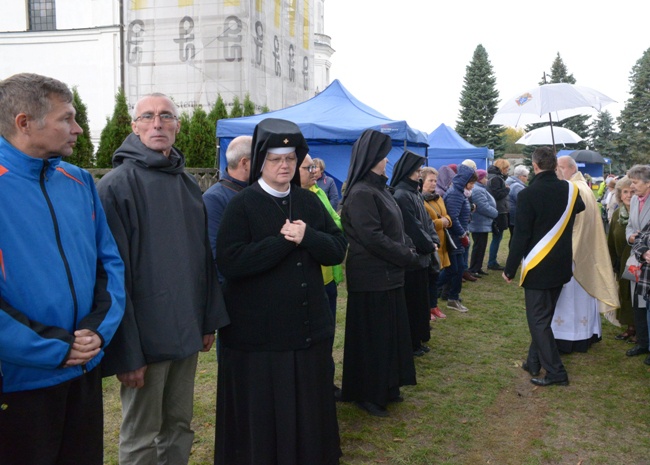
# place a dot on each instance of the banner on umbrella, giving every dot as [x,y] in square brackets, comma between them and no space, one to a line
[194,50]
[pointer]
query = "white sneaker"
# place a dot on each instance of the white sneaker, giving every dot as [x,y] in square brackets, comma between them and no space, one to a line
[456,305]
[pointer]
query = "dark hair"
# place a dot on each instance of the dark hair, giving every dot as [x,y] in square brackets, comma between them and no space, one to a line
[544,158]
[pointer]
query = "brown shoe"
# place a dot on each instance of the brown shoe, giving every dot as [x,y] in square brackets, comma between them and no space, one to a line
[468,276]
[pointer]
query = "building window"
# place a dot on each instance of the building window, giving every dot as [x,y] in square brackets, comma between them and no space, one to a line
[42,15]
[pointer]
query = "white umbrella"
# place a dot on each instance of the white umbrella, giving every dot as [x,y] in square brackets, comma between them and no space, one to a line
[550,102]
[543,136]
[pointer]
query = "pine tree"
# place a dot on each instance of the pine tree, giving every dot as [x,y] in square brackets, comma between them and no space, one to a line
[82,154]
[237,110]
[183,137]
[479,101]
[115,131]
[218,111]
[634,121]
[249,106]
[201,148]
[265,109]
[602,139]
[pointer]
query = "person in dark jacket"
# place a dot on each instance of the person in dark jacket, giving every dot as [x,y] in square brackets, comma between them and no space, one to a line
[458,209]
[420,230]
[546,211]
[275,403]
[378,358]
[497,175]
[174,303]
[61,282]
[516,183]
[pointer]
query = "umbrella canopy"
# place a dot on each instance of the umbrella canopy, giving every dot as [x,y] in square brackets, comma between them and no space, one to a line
[550,102]
[587,156]
[543,136]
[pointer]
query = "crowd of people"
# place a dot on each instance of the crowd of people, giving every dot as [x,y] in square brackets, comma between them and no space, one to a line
[143,269]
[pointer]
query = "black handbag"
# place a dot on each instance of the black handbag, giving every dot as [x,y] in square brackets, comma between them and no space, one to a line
[451,245]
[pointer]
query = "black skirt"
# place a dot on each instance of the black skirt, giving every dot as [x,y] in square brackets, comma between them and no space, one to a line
[416,291]
[378,357]
[276,408]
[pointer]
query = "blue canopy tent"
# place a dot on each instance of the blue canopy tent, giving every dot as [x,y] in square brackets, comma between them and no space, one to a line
[331,122]
[446,147]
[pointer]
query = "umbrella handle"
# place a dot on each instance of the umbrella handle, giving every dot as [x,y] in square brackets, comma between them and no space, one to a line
[550,119]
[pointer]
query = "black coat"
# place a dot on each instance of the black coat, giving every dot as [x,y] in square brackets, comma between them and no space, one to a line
[379,250]
[539,207]
[274,289]
[497,187]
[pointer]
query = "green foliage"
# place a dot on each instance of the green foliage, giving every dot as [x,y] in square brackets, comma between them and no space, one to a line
[117,128]
[634,120]
[265,109]
[82,154]
[249,106]
[183,136]
[603,138]
[218,111]
[479,101]
[237,110]
[201,147]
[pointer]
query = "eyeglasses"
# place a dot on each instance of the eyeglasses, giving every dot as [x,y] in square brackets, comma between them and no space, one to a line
[148,118]
[310,168]
[289,159]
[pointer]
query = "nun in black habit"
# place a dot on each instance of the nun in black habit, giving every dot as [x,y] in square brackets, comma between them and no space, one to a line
[377,354]
[420,230]
[275,403]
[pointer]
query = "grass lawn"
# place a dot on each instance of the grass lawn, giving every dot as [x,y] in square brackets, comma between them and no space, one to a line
[473,403]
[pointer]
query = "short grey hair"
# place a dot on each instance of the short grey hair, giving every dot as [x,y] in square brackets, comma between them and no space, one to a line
[521,170]
[428,171]
[240,147]
[134,113]
[639,172]
[30,94]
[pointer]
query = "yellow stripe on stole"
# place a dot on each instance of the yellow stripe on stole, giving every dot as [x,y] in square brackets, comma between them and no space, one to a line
[231,2]
[182,3]
[277,16]
[545,245]
[138,4]
[292,18]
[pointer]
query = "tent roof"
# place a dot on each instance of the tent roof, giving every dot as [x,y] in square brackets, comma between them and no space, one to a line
[334,114]
[445,137]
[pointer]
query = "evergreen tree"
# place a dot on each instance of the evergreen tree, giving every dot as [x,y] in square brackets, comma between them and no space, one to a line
[218,111]
[265,109]
[479,101]
[237,109]
[115,131]
[602,138]
[82,154]
[249,106]
[201,149]
[634,121]
[183,136]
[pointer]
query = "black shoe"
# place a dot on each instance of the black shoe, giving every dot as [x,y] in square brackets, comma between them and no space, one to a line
[337,392]
[547,382]
[637,350]
[373,409]
[396,399]
[647,360]
[418,352]
[526,367]
[476,274]
[425,348]
[481,272]
[496,267]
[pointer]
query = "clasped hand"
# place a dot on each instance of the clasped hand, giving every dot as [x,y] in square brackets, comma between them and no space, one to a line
[85,347]
[294,231]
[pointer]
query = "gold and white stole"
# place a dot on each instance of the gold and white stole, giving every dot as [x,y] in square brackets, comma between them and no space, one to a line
[546,243]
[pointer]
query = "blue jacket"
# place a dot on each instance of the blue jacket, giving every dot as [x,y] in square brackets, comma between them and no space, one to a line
[516,186]
[327,184]
[486,210]
[457,204]
[60,269]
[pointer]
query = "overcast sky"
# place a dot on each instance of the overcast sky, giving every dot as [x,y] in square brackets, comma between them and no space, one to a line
[407,58]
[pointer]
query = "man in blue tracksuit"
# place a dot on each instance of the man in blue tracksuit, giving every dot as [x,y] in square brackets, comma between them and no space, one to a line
[61,282]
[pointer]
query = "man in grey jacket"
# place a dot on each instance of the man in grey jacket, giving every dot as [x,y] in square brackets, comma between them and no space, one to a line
[174,303]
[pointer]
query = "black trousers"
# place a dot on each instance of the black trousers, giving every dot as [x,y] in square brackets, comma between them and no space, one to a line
[478,251]
[59,425]
[640,322]
[543,351]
